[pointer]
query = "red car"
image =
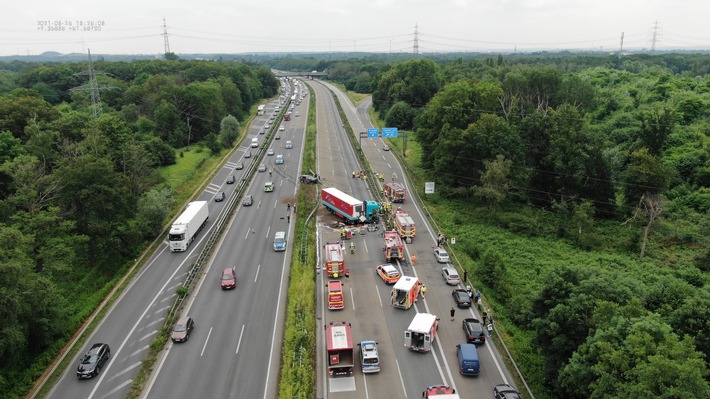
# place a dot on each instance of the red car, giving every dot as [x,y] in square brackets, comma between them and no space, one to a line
[436,390]
[229,279]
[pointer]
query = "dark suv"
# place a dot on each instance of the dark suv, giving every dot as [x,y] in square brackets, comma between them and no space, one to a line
[92,362]
[474,331]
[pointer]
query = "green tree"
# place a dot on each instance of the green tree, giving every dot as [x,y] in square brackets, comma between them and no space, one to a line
[401,115]
[638,357]
[492,271]
[228,131]
[644,173]
[10,147]
[655,127]
[495,182]
[414,82]
[154,206]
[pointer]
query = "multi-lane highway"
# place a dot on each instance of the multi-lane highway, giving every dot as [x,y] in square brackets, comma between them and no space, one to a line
[404,374]
[234,350]
[237,333]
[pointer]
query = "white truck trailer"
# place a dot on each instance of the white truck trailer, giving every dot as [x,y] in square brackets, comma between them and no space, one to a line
[187,225]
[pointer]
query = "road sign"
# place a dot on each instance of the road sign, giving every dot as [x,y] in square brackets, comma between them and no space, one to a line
[389,132]
[429,187]
[373,133]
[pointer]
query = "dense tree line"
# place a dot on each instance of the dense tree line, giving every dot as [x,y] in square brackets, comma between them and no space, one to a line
[596,143]
[80,195]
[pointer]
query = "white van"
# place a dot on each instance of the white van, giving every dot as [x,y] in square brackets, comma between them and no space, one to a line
[254,142]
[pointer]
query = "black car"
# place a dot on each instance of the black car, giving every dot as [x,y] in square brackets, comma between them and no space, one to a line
[230,179]
[219,197]
[462,299]
[474,331]
[248,200]
[505,391]
[92,362]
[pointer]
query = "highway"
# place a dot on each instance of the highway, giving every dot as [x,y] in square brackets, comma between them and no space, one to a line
[404,374]
[235,348]
[234,330]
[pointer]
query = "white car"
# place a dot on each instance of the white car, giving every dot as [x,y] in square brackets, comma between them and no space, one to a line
[451,276]
[289,145]
[282,128]
[279,160]
[441,255]
[270,152]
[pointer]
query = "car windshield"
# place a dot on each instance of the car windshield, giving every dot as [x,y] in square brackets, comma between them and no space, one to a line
[180,328]
[227,276]
[89,359]
[462,295]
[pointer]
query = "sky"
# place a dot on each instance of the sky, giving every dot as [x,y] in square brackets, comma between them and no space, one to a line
[31,27]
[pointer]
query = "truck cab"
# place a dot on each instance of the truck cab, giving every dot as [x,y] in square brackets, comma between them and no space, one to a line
[335,295]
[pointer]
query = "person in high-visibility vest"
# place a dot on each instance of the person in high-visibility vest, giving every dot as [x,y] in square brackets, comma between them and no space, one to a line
[414,259]
[423,290]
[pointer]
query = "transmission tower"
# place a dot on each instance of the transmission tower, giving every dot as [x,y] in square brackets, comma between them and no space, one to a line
[655,35]
[416,39]
[92,87]
[621,48]
[165,37]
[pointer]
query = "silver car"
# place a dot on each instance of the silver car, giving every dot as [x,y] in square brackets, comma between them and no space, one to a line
[451,276]
[441,255]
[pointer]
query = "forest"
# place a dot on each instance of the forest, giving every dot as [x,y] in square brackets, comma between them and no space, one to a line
[577,188]
[80,192]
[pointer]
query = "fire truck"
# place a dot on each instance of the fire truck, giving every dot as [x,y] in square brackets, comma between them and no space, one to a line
[335,295]
[405,225]
[339,347]
[395,192]
[394,249]
[334,261]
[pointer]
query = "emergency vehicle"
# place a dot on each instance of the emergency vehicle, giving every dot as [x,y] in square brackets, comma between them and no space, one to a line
[421,332]
[335,295]
[405,225]
[405,292]
[388,273]
[394,249]
[339,348]
[395,192]
[334,261]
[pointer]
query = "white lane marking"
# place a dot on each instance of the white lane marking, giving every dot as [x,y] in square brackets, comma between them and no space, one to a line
[239,343]
[401,380]
[127,369]
[257,273]
[206,341]
[352,297]
[268,232]
[157,321]
[379,298]
[137,352]
[118,388]
[150,334]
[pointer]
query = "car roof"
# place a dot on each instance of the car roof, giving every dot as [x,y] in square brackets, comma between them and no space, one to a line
[388,268]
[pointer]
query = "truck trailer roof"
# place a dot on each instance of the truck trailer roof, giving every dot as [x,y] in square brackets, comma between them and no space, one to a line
[349,199]
[190,212]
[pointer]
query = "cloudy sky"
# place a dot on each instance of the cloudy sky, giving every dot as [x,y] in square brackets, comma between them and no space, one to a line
[241,26]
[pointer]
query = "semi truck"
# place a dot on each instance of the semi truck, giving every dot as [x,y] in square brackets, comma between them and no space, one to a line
[334,260]
[405,225]
[405,292]
[395,192]
[335,295]
[347,207]
[187,225]
[339,347]
[421,332]
[394,249]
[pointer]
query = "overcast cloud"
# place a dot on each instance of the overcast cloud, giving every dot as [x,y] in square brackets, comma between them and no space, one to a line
[239,26]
